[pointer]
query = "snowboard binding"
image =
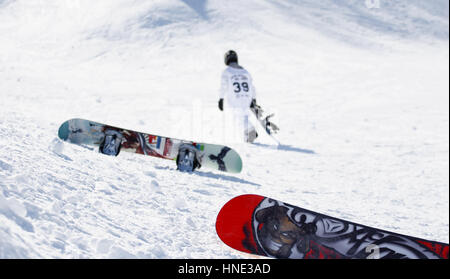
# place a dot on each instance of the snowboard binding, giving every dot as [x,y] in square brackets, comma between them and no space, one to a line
[257,110]
[112,143]
[187,160]
[270,127]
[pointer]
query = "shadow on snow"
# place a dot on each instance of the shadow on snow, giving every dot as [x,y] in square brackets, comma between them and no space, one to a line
[215,176]
[285,147]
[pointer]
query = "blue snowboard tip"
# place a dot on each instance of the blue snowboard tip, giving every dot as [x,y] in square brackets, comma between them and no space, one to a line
[63,132]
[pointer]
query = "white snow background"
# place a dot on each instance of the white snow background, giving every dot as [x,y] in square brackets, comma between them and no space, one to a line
[360,89]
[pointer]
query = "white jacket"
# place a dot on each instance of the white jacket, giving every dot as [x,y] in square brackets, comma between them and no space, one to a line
[237,88]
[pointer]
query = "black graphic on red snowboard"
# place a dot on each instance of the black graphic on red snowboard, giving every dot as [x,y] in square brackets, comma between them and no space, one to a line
[267,227]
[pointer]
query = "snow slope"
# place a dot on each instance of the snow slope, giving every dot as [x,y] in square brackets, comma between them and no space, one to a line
[360,89]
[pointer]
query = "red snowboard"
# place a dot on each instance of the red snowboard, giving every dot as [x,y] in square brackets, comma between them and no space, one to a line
[267,227]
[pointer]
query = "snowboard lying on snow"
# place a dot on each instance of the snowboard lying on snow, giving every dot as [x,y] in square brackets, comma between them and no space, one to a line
[112,140]
[267,227]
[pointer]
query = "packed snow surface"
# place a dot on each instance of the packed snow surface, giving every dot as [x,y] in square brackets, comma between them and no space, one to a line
[360,90]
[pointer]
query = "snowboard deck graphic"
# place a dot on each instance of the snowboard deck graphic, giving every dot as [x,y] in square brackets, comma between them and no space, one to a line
[212,156]
[263,226]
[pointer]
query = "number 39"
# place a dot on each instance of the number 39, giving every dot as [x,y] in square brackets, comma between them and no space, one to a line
[240,86]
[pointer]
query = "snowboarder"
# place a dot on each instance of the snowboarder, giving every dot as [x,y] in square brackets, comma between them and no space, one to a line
[239,94]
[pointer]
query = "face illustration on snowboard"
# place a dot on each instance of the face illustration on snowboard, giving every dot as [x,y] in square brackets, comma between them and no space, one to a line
[280,236]
[284,231]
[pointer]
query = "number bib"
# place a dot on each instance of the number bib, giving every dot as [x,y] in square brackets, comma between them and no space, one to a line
[240,85]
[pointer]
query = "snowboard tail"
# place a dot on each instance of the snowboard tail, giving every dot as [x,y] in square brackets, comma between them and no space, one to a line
[267,227]
[86,132]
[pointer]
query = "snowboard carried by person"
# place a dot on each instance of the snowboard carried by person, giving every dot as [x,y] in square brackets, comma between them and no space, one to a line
[263,119]
[188,155]
[263,226]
